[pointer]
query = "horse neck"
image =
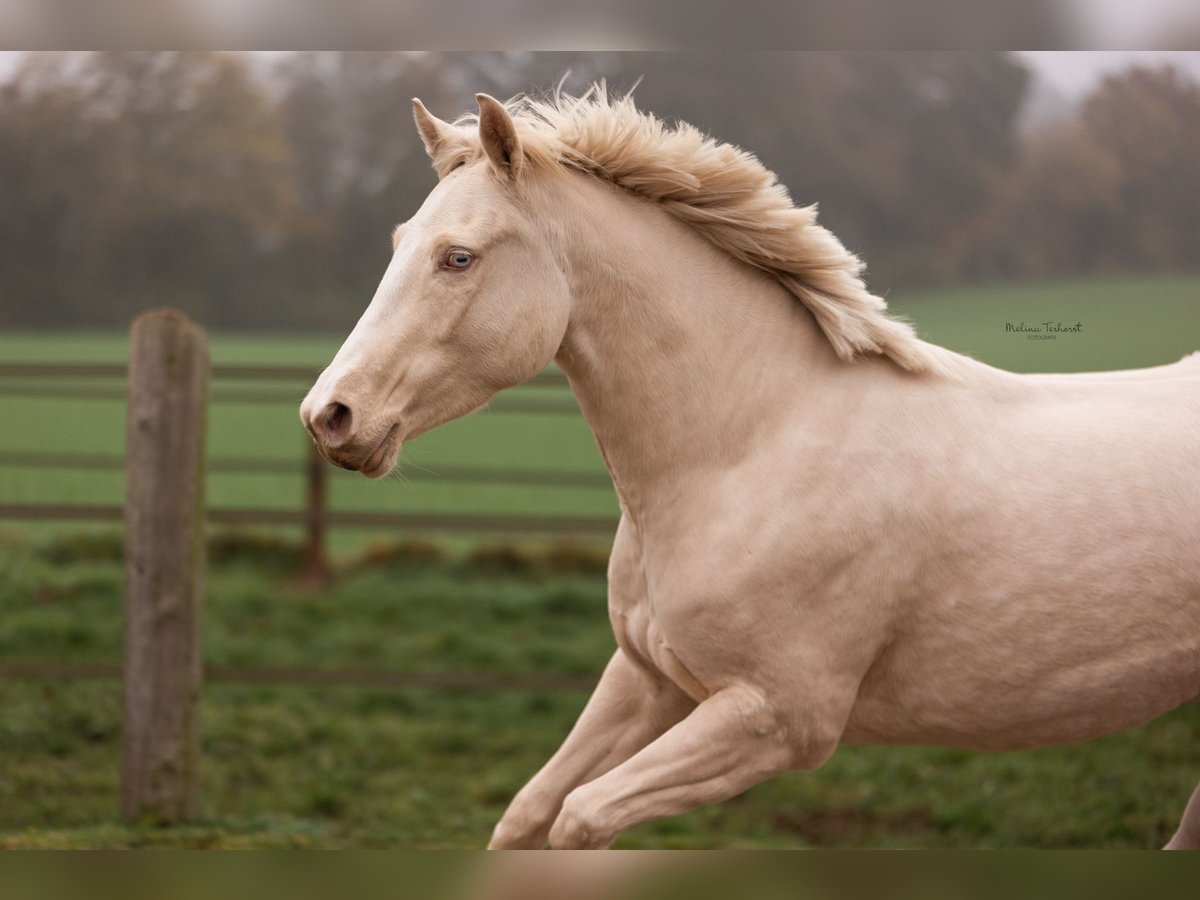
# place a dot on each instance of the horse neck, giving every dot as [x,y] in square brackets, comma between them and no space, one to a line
[680,357]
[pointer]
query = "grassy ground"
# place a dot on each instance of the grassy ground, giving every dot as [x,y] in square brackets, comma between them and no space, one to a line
[353,767]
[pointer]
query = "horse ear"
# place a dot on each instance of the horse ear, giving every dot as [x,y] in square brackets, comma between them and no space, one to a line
[499,135]
[434,131]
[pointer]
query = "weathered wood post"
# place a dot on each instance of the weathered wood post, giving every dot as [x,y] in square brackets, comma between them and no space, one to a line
[164,567]
[317,475]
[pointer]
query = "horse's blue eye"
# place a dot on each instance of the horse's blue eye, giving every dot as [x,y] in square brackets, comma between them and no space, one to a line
[458,259]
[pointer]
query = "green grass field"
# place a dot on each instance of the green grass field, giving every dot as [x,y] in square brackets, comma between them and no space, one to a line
[355,767]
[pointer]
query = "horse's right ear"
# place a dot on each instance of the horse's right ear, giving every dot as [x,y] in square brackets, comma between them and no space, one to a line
[435,134]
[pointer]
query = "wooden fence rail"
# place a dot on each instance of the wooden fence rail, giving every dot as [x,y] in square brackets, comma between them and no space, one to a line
[249,465]
[551,406]
[548,379]
[307,676]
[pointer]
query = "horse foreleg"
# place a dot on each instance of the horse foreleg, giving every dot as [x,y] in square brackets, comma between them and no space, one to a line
[732,741]
[1188,835]
[628,709]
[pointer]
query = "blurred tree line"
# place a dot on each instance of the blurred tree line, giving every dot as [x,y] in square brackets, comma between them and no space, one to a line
[260,191]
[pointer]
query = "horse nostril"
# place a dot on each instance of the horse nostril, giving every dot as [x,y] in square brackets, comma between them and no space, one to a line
[334,422]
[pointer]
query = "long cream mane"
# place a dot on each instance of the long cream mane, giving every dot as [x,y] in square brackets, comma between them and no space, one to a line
[723,192]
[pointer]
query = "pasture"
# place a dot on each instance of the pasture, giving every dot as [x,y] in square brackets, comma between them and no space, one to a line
[386,767]
[381,767]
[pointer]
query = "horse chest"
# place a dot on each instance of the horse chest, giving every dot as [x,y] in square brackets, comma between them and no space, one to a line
[642,639]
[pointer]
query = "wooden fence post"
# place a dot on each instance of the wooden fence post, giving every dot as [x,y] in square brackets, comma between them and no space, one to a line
[315,561]
[164,567]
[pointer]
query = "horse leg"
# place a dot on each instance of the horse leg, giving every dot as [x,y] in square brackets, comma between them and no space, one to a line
[628,709]
[1188,835]
[732,741]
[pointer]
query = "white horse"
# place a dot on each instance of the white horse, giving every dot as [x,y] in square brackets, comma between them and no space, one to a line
[831,532]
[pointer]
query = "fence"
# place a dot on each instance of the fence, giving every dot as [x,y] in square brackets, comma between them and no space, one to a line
[51,380]
[164,517]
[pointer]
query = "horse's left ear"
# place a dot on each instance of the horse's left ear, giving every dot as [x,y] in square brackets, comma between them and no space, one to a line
[499,135]
[435,133]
